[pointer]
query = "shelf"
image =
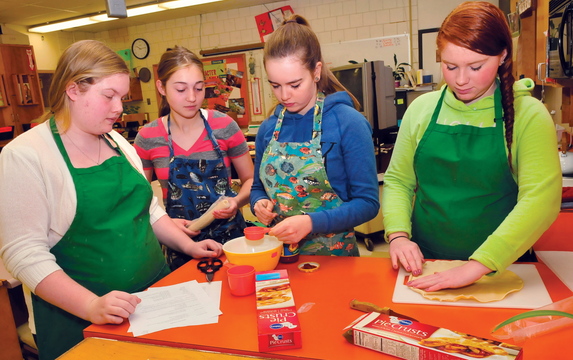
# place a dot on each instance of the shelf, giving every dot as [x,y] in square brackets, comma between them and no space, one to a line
[135,92]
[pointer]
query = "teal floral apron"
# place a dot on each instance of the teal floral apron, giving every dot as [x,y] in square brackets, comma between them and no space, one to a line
[465,187]
[295,179]
[110,245]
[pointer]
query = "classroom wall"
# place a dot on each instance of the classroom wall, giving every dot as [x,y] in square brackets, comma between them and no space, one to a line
[332,20]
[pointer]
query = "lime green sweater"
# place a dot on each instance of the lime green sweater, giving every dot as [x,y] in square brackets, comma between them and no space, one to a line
[537,171]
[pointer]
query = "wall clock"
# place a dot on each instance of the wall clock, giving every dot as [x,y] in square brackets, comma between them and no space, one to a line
[140,48]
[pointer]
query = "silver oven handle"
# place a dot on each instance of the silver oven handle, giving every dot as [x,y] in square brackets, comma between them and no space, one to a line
[539,72]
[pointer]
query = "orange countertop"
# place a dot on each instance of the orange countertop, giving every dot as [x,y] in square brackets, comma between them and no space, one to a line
[105,349]
[329,290]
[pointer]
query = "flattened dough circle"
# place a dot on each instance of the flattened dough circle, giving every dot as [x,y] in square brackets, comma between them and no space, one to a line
[486,289]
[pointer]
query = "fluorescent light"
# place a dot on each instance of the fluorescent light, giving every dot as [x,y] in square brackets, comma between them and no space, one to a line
[68,24]
[134,11]
[147,9]
[184,3]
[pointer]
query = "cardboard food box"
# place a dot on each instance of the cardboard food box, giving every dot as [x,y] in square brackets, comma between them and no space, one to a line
[407,339]
[277,319]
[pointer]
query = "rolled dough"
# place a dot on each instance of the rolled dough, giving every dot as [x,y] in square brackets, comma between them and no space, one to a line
[488,288]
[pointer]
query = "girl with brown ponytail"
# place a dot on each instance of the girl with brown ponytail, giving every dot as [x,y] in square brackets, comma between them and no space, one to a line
[315,170]
[480,156]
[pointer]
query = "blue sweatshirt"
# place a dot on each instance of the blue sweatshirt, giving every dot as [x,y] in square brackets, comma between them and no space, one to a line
[348,149]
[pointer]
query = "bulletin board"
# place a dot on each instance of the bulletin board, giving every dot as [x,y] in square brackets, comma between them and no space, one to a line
[382,48]
[227,88]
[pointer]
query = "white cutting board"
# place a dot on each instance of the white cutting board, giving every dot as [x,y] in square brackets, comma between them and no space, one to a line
[533,295]
[561,263]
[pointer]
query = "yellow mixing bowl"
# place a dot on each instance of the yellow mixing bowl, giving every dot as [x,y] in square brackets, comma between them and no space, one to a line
[263,254]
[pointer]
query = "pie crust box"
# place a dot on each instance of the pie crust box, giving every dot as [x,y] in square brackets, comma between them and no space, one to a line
[411,340]
[277,319]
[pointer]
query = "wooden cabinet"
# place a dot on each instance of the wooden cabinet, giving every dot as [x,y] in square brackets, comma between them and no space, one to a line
[135,92]
[541,28]
[534,24]
[21,100]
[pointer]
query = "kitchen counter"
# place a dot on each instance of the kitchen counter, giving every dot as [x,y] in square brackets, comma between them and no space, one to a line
[325,295]
[98,349]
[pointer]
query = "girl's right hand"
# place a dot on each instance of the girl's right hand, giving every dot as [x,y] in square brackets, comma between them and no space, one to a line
[112,308]
[264,211]
[407,253]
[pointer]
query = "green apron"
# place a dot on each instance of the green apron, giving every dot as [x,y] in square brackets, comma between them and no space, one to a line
[465,188]
[294,177]
[110,244]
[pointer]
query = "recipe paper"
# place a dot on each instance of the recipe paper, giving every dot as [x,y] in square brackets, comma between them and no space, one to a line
[185,304]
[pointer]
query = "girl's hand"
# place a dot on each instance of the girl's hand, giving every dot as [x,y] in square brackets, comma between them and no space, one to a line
[264,211]
[112,308]
[182,224]
[204,248]
[405,252]
[228,212]
[457,277]
[292,229]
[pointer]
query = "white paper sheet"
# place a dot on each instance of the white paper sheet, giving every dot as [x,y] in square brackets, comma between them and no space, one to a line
[561,263]
[184,304]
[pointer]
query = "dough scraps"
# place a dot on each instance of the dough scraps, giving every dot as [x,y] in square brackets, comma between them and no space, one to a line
[486,289]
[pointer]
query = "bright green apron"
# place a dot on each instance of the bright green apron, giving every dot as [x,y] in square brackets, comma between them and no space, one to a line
[110,244]
[465,188]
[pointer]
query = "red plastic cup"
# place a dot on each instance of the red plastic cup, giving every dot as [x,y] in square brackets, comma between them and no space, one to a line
[241,280]
[255,232]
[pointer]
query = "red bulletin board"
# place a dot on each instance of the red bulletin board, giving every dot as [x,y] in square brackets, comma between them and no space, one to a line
[227,87]
[271,20]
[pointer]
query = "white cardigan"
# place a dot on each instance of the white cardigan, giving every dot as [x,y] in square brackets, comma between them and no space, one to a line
[38,202]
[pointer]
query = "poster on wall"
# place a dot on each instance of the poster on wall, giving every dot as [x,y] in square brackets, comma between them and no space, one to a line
[126,56]
[225,87]
[3,103]
[270,21]
[23,86]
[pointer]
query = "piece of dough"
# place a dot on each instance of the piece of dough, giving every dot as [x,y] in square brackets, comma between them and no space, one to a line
[207,218]
[486,289]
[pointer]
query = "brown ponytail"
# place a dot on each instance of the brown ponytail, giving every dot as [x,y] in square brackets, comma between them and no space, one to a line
[172,60]
[505,73]
[295,37]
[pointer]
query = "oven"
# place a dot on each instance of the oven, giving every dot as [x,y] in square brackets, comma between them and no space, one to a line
[560,39]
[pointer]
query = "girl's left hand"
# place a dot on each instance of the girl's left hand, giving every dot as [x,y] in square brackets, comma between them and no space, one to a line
[205,248]
[457,277]
[182,224]
[292,229]
[228,212]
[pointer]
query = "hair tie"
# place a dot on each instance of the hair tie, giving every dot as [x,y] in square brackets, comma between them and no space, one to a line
[290,21]
[397,237]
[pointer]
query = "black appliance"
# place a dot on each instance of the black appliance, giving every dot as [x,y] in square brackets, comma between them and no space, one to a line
[560,39]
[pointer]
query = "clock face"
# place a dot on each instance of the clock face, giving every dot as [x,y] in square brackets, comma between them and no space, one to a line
[140,48]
